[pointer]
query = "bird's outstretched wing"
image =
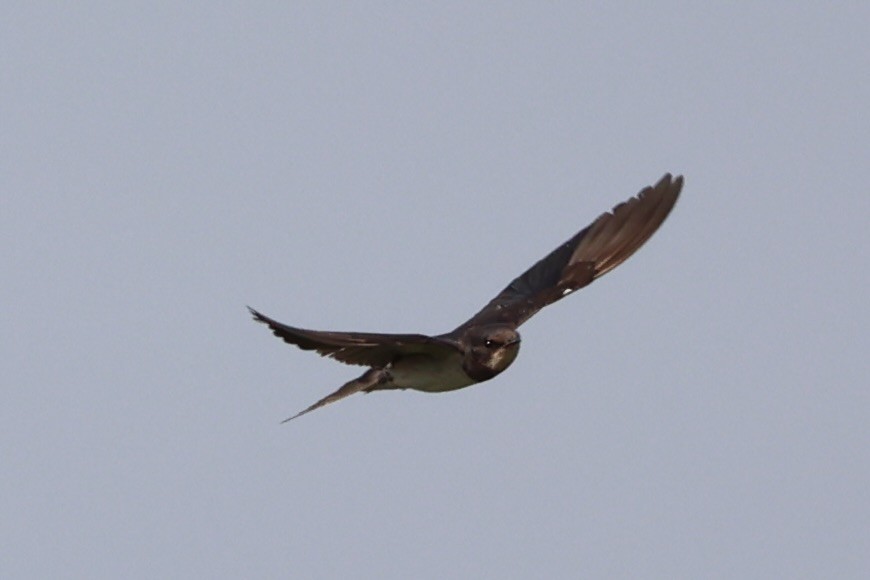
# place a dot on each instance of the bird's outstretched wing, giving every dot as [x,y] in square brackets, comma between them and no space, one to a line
[357,348]
[603,245]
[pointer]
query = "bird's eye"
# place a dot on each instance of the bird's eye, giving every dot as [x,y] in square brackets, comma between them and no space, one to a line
[489,343]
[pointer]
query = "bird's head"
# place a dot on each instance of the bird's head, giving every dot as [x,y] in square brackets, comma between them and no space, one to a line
[489,350]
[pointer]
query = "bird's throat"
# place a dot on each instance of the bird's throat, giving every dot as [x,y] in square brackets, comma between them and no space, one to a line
[484,365]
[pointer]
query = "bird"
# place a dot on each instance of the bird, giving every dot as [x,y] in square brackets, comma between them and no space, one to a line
[486,344]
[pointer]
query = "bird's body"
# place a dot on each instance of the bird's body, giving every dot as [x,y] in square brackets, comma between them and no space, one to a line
[487,343]
[431,374]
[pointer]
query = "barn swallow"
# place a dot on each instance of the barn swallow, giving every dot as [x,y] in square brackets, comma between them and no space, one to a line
[487,343]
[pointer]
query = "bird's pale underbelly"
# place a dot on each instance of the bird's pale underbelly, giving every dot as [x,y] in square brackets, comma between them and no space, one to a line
[433,375]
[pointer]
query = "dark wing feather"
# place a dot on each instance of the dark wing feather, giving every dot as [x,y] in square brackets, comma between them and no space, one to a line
[356,348]
[603,245]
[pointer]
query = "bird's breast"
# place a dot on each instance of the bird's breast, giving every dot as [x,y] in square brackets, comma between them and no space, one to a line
[430,374]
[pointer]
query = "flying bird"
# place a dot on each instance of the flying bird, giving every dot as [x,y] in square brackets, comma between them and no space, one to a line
[488,342]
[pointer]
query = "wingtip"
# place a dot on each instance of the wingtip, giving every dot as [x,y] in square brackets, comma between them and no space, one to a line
[669,186]
[670,181]
[256,315]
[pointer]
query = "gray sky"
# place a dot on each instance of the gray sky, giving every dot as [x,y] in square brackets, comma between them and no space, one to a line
[701,412]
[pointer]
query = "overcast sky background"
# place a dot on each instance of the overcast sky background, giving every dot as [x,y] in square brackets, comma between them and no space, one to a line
[700,412]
